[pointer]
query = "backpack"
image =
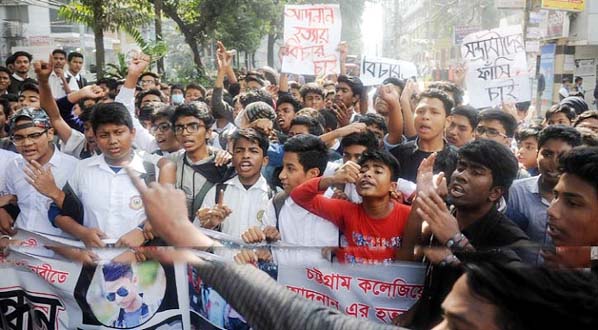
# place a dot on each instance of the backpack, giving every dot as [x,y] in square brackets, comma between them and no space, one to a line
[278,201]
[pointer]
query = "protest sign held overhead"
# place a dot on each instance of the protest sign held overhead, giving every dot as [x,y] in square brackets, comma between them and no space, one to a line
[374,70]
[496,67]
[312,34]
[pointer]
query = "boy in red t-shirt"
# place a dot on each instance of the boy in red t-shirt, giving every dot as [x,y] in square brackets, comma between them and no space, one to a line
[374,228]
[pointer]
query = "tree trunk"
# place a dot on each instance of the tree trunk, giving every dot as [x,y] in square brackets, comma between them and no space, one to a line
[188,34]
[158,28]
[246,61]
[253,60]
[271,41]
[100,53]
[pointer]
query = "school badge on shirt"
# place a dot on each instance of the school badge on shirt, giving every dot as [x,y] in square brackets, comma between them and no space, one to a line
[136,203]
[260,216]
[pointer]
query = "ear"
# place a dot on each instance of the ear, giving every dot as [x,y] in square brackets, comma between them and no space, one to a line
[355,99]
[133,132]
[312,173]
[496,193]
[393,186]
[265,161]
[50,134]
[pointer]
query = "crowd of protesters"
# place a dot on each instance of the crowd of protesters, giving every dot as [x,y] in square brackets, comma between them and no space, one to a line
[501,204]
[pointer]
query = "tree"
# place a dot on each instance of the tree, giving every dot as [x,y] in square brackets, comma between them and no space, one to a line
[102,16]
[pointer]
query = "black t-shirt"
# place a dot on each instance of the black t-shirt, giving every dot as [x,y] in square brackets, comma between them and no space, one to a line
[410,156]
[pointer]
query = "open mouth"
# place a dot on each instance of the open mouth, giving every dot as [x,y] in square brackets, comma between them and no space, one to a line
[424,129]
[366,184]
[245,166]
[457,191]
[114,150]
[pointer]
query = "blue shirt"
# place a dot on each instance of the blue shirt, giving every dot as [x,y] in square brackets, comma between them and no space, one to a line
[528,209]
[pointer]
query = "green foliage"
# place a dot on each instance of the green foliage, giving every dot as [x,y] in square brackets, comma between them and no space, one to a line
[117,71]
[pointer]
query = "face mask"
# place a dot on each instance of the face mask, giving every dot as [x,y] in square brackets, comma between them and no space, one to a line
[177,98]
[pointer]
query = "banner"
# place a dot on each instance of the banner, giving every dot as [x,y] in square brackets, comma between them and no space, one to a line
[312,34]
[496,67]
[375,69]
[546,78]
[570,5]
[39,289]
[461,31]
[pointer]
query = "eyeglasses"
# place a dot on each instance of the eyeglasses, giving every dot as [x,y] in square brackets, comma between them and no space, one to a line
[490,132]
[121,292]
[191,128]
[144,82]
[20,139]
[164,127]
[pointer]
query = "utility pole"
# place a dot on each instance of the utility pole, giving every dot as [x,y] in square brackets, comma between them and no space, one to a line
[158,29]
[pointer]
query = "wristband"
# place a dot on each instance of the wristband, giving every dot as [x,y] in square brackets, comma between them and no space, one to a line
[455,240]
[451,259]
[594,253]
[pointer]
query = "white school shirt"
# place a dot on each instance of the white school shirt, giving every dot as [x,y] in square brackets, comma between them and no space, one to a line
[300,227]
[57,86]
[34,206]
[7,159]
[248,205]
[143,138]
[110,200]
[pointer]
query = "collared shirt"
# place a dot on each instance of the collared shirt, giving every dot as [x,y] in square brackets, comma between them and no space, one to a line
[7,160]
[248,205]
[16,82]
[110,200]
[57,86]
[77,78]
[34,206]
[410,156]
[528,209]
[300,227]
[76,146]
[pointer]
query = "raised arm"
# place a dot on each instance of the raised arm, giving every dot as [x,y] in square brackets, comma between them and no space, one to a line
[395,116]
[407,110]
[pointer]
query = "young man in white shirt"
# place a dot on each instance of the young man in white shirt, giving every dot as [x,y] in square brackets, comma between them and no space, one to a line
[7,210]
[58,79]
[244,198]
[75,60]
[32,135]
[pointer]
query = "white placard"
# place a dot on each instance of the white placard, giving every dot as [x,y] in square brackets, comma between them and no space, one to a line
[496,65]
[374,70]
[312,34]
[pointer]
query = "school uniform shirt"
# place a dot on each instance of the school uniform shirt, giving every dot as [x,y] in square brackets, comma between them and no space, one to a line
[303,228]
[143,138]
[34,206]
[369,240]
[7,159]
[80,81]
[110,200]
[248,205]
[57,86]
[76,146]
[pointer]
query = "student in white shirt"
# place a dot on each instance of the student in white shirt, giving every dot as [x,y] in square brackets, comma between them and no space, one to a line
[58,79]
[112,206]
[75,60]
[32,135]
[305,157]
[7,160]
[244,197]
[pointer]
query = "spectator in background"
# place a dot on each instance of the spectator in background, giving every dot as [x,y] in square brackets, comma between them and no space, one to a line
[149,80]
[559,114]
[22,64]
[462,123]
[579,86]
[588,119]
[4,80]
[565,88]
[527,149]
[75,60]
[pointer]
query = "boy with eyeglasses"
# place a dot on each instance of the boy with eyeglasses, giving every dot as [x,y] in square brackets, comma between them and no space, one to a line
[163,130]
[32,134]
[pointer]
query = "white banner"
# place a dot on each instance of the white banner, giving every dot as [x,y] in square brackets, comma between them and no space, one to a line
[375,69]
[496,67]
[379,293]
[312,34]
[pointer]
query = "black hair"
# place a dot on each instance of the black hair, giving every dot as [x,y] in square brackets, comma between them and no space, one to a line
[256,96]
[526,133]
[550,297]
[578,78]
[395,81]
[506,120]
[576,103]
[366,139]
[59,51]
[498,158]
[152,74]
[29,86]
[192,110]
[585,115]
[313,124]
[311,151]
[355,83]
[566,80]
[565,109]
[153,91]
[523,106]
[197,87]
[167,113]
[254,136]
[110,113]
[288,98]
[114,271]
[177,86]
[148,111]
[109,82]
[330,120]
[5,69]
[10,60]
[383,157]
[73,55]
[468,112]
[582,162]
[311,88]
[86,114]
[270,74]
[294,85]
[449,87]
[435,93]
[374,119]
[21,53]
[567,134]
